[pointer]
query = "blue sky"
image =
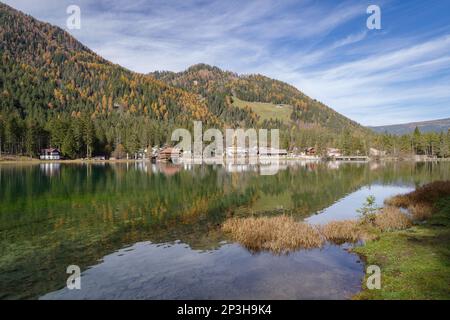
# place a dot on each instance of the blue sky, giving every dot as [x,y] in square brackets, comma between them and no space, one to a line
[398,74]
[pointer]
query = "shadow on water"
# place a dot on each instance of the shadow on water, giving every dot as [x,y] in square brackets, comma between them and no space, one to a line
[52,216]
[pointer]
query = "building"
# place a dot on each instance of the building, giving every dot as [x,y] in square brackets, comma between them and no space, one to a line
[333,153]
[376,153]
[99,158]
[141,154]
[168,154]
[236,151]
[272,152]
[311,151]
[50,154]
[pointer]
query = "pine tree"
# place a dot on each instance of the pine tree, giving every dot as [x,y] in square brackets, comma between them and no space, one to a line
[88,135]
[443,146]
[417,141]
[2,125]
[12,134]
[30,138]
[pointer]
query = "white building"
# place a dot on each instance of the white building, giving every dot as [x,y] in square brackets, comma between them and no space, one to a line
[333,152]
[50,154]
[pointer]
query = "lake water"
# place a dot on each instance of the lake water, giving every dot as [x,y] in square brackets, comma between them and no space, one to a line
[152,231]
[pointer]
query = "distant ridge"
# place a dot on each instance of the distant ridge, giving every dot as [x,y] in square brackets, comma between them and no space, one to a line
[424,126]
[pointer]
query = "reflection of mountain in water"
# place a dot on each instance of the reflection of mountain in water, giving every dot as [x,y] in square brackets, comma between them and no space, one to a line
[88,211]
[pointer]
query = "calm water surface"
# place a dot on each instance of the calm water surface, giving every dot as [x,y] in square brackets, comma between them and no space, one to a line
[146,231]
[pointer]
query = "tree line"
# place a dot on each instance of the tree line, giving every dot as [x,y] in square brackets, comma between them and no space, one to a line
[83,135]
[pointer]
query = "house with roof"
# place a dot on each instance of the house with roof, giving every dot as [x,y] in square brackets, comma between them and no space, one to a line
[334,152]
[169,154]
[50,154]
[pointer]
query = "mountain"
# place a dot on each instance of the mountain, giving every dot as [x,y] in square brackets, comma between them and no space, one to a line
[54,91]
[61,73]
[424,126]
[258,95]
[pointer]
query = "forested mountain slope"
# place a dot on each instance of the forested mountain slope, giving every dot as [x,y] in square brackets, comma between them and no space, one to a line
[219,87]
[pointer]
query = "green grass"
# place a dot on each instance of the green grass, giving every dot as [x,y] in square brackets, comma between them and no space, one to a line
[266,111]
[415,263]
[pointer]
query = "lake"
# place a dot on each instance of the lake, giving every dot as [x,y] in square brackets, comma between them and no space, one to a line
[152,231]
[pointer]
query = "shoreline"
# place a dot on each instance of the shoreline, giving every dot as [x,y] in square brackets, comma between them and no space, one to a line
[26,160]
[413,262]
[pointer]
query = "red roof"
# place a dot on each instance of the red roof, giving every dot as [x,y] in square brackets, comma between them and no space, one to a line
[50,150]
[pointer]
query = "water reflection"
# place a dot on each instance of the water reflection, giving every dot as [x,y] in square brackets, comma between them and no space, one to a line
[346,208]
[77,213]
[50,169]
[231,272]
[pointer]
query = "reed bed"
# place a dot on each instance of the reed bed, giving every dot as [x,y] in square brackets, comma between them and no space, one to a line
[426,194]
[279,234]
[282,234]
[392,218]
[340,232]
[420,212]
[399,201]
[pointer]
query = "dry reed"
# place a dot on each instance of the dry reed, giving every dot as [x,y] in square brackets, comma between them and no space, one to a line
[279,234]
[399,201]
[420,212]
[426,194]
[392,218]
[342,231]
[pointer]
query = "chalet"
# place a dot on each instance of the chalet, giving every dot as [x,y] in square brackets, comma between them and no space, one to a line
[311,151]
[99,158]
[50,154]
[168,154]
[141,154]
[236,151]
[272,152]
[254,151]
[376,153]
[333,153]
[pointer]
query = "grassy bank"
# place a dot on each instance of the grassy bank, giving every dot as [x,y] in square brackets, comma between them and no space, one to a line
[415,263]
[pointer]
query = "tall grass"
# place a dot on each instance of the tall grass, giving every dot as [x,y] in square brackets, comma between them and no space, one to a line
[392,218]
[399,201]
[420,212]
[427,194]
[278,234]
[342,231]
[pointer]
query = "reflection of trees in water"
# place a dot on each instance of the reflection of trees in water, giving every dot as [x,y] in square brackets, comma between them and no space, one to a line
[316,188]
[85,212]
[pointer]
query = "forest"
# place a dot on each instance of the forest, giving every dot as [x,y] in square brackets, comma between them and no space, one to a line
[81,136]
